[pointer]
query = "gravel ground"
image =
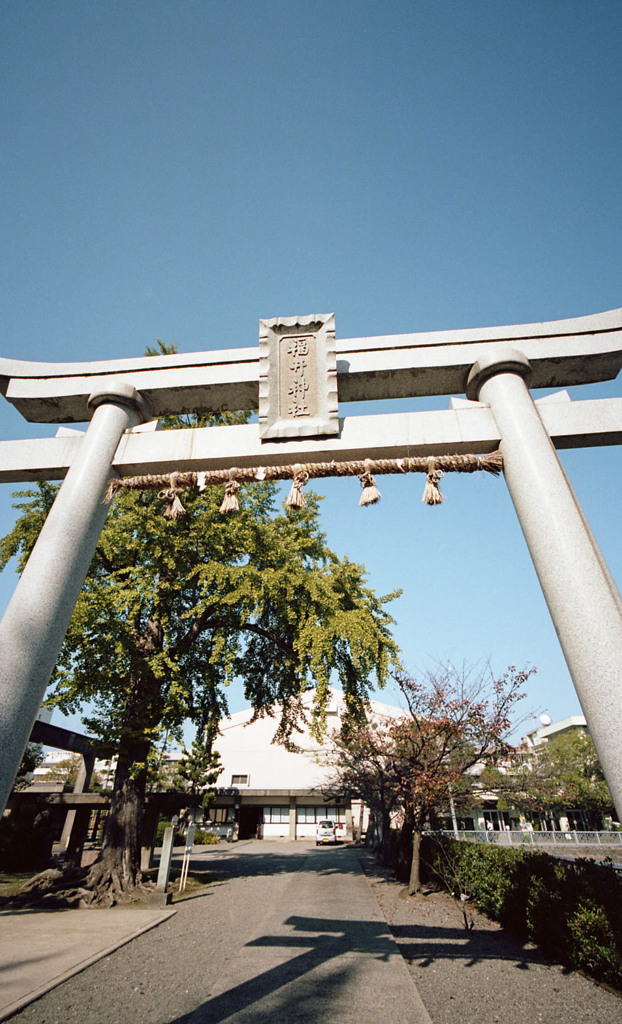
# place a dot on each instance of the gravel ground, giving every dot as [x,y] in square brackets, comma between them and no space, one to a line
[162,976]
[476,977]
[483,976]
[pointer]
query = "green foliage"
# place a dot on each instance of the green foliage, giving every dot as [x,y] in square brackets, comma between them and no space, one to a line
[592,937]
[171,612]
[200,766]
[204,838]
[164,823]
[573,911]
[161,775]
[33,757]
[65,771]
[561,775]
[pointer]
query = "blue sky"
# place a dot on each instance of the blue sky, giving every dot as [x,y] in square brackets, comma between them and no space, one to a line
[178,170]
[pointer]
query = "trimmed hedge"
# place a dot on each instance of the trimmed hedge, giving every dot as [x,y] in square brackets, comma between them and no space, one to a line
[571,910]
[201,837]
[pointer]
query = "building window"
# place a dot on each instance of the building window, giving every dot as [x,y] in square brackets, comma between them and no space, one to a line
[309,815]
[334,813]
[219,815]
[239,780]
[276,815]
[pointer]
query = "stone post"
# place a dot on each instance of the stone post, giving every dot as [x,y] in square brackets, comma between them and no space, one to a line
[34,625]
[162,894]
[583,600]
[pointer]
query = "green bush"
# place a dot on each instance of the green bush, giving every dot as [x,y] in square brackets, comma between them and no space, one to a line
[203,838]
[164,823]
[593,942]
[573,911]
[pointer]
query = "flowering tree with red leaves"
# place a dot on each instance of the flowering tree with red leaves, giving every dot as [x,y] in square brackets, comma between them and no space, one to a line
[456,720]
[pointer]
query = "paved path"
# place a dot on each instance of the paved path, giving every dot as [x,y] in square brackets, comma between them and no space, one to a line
[285,932]
[39,949]
[319,950]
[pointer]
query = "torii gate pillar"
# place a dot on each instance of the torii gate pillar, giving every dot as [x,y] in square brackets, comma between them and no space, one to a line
[34,625]
[584,602]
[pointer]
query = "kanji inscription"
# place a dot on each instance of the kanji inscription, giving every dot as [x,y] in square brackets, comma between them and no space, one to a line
[298,377]
[298,395]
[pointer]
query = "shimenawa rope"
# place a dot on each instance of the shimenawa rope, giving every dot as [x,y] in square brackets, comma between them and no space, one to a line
[171,484]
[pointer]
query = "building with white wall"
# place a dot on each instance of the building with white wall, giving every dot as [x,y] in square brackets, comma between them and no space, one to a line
[268,792]
[547,729]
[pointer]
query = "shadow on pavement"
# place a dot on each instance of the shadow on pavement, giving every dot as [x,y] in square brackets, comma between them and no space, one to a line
[322,941]
[229,863]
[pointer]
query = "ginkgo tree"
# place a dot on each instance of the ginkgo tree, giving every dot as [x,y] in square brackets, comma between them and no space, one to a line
[172,611]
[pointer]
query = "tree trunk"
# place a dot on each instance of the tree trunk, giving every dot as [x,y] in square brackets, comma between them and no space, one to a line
[386,845]
[404,845]
[372,829]
[116,876]
[414,883]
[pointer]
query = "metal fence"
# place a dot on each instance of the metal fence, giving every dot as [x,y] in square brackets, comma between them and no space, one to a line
[518,837]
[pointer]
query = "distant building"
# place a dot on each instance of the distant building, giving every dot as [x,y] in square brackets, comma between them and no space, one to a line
[268,792]
[547,730]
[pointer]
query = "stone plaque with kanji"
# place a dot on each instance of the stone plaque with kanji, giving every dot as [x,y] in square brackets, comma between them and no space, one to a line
[297,377]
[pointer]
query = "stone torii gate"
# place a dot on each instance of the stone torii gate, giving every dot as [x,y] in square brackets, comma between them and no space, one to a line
[299,422]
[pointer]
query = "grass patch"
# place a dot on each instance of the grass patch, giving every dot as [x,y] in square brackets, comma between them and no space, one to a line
[196,880]
[12,881]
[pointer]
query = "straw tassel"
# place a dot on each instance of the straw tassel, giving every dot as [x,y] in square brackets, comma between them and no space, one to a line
[295,498]
[370,494]
[114,486]
[432,494]
[230,500]
[493,462]
[174,508]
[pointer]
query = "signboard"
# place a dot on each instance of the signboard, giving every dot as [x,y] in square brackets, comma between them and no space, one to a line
[297,377]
